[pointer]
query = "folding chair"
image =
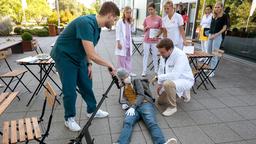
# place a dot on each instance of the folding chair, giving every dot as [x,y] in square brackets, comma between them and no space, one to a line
[137,45]
[11,75]
[28,129]
[195,73]
[206,76]
[37,47]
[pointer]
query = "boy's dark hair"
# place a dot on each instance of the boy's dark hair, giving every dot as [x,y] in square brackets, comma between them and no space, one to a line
[165,43]
[209,6]
[109,7]
[151,4]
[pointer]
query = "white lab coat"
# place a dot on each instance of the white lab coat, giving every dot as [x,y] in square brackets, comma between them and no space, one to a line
[178,70]
[120,35]
[173,31]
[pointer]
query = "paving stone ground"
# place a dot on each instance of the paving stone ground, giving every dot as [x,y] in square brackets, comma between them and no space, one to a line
[225,115]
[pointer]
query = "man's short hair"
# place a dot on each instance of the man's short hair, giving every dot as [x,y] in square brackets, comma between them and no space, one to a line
[165,43]
[209,6]
[109,7]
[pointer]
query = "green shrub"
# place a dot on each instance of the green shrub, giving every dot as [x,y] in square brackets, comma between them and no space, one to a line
[42,32]
[26,30]
[5,26]
[18,30]
[26,36]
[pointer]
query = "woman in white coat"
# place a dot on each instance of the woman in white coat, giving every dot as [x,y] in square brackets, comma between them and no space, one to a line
[123,51]
[173,26]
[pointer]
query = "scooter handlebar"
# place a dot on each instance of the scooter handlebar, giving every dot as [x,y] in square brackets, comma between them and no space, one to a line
[115,79]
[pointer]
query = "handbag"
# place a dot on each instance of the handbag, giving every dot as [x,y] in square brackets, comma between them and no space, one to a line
[206,32]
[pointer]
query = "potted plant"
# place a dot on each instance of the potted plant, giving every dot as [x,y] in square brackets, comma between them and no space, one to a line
[27,41]
[52,24]
[52,30]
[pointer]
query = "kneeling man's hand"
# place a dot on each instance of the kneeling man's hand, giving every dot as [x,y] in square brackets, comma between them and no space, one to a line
[130,112]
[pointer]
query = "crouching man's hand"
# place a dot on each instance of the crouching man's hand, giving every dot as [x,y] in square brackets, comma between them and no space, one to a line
[158,88]
[153,80]
[130,112]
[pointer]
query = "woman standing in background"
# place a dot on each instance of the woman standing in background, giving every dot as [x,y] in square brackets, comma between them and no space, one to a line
[173,26]
[217,28]
[123,51]
[152,25]
[205,28]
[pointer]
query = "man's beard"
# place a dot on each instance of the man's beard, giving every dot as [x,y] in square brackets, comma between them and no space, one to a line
[108,25]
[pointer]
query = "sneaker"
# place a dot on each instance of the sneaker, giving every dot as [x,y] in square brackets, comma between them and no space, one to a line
[72,125]
[169,111]
[133,75]
[143,75]
[212,75]
[100,114]
[125,106]
[171,141]
[186,97]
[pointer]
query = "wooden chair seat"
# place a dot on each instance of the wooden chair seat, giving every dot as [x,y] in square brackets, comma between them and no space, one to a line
[21,130]
[13,73]
[194,71]
[6,99]
[205,66]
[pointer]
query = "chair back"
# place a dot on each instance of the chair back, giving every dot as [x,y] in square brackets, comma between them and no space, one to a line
[50,95]
[37,47]
[50,98]
[3,55]
[219,53]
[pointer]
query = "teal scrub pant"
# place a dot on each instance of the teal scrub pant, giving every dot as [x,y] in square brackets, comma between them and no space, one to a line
[74,74]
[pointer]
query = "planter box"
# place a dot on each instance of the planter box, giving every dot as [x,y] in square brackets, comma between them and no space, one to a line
[17,48]
[52,29]
[28,45]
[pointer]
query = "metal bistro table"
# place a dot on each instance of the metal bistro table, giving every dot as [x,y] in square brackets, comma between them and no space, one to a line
[200,67]
[45,66]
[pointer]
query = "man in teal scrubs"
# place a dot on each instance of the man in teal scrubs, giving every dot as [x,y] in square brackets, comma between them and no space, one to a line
[74,52]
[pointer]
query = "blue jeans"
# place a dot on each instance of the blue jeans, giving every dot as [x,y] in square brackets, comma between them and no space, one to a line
[214,45]
[146,112]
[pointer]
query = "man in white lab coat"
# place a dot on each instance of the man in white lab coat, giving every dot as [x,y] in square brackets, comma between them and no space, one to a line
[174,76]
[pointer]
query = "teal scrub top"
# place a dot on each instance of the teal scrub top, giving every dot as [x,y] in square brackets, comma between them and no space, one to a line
[69,43]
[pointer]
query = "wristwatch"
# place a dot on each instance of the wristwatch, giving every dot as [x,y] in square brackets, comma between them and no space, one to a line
[89,63]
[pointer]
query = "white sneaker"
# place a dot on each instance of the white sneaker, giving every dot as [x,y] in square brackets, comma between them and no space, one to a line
[133,75]
[169,111]
[186,97]
[125,106]
[143,74]
[72,125]
[212,75]
[100,114]
[171,141]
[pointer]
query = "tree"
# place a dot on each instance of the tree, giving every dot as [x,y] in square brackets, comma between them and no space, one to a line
[71,5]
[38,10]
[11,8]
[96,5]
[66,16]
